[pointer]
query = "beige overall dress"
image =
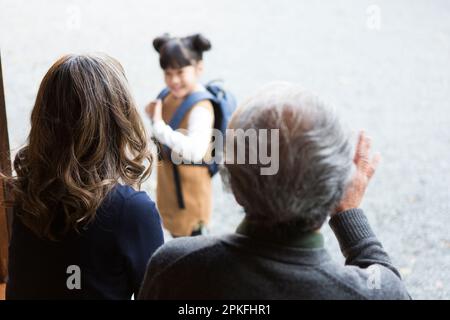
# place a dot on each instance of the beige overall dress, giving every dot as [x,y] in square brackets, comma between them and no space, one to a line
[195,183]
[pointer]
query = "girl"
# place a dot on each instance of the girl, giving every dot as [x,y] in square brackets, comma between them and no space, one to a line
[186,207]
[80,230]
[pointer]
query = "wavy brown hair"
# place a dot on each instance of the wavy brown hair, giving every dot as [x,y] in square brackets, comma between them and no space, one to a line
[86,136]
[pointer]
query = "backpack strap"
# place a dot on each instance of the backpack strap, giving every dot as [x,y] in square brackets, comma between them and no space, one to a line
[174,123]
[164,93]
[186,105]
[178,188]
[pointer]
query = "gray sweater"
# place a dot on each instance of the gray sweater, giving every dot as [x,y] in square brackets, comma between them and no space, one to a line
[237,266]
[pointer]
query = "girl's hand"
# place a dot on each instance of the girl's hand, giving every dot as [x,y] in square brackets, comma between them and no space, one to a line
[365,168]
[154,110]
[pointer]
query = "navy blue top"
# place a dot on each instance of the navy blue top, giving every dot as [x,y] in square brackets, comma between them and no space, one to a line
[111,253]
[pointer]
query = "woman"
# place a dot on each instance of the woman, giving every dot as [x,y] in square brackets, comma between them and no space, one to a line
[80,229]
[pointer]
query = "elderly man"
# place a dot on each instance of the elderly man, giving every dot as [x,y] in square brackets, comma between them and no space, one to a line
[277,251]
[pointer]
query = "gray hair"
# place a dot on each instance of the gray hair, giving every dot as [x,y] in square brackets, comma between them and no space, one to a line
[315,159]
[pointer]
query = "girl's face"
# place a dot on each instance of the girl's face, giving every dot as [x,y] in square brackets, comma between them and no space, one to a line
[183,81]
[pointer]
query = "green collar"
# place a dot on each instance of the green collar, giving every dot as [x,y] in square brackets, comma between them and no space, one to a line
[290,238]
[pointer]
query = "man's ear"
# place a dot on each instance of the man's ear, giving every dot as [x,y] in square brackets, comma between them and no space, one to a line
[238,199]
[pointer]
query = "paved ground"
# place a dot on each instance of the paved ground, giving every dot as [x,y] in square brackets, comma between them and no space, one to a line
[383,64]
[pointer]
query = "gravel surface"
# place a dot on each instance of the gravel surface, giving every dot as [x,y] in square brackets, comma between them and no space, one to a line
[383,64]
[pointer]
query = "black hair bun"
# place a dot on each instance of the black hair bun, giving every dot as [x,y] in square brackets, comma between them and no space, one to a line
[160,41]
[199,42]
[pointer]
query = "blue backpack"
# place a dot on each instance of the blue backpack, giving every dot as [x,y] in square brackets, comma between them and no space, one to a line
[224,104]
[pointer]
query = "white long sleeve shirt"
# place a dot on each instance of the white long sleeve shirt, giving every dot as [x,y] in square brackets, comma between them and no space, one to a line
[193,145]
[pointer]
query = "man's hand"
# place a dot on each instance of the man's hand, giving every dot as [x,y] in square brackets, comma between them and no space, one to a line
[154,110]
[365,168]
